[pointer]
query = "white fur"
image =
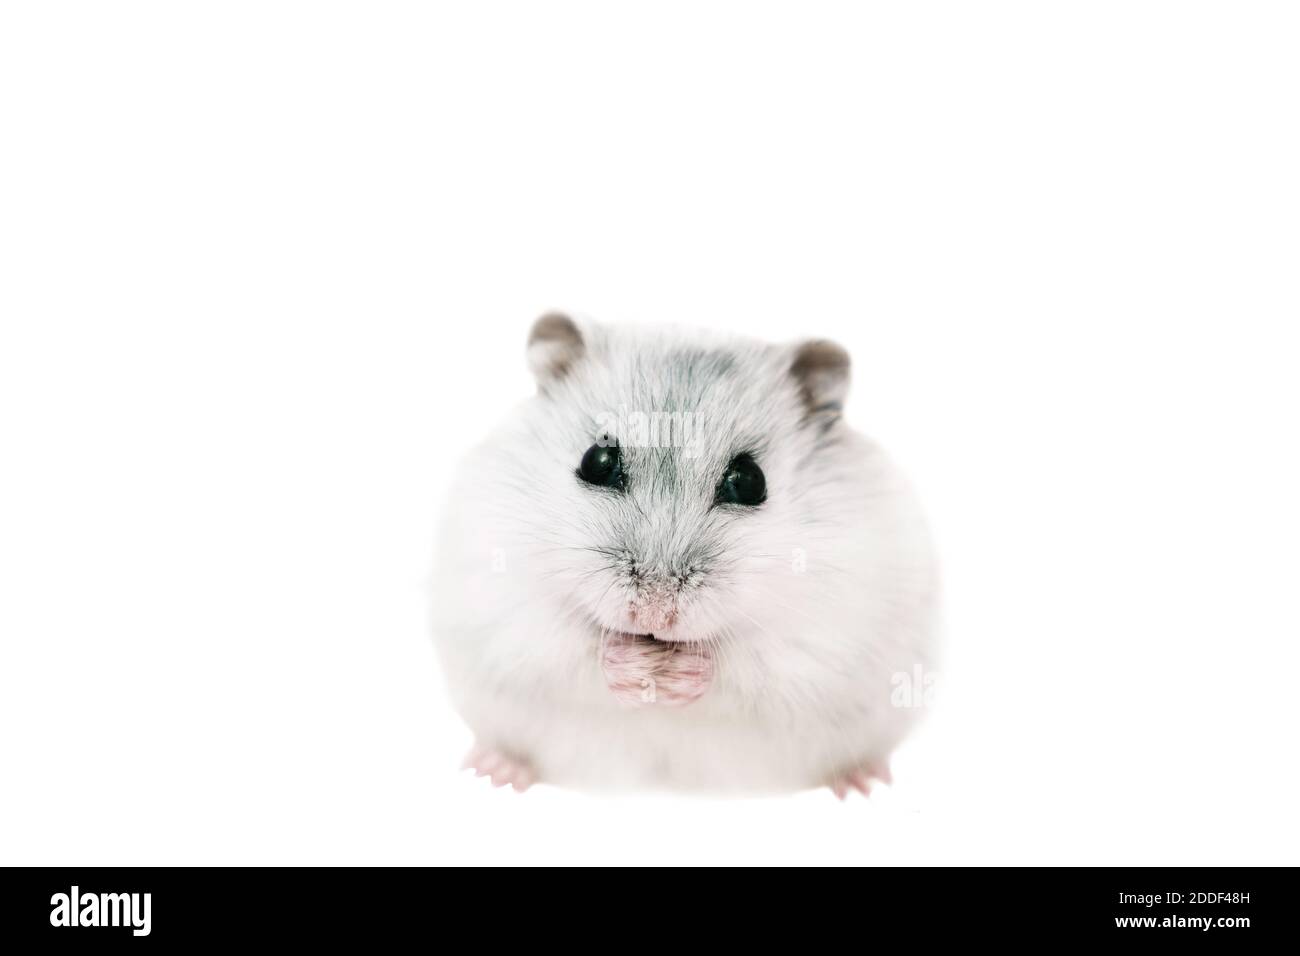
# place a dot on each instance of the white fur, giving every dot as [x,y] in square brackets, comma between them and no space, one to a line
[804,655]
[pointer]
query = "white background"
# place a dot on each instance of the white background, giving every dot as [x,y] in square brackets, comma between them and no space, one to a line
[267,270]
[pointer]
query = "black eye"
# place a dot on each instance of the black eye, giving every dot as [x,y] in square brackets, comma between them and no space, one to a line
[743,484]
[602,465]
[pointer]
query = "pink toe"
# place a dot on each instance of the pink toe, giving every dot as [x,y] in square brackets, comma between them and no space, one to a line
[500,770]
[839,789]
[858,780]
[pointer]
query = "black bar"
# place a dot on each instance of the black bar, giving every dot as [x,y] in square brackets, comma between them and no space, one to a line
[369,907]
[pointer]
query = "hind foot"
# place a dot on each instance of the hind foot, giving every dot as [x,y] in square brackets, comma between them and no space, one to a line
[500,769]
[859,778]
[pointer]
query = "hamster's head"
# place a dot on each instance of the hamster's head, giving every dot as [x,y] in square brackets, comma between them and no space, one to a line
[663,477]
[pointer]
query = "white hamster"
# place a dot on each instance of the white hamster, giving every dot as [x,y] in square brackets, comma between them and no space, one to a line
[677,567]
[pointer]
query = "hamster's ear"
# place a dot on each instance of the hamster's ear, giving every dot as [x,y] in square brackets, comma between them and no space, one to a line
[554,344]
[821,369]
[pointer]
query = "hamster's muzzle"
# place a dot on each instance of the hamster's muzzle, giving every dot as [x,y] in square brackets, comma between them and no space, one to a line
[652,609]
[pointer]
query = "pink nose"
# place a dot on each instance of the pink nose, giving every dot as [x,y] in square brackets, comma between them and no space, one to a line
[653,612]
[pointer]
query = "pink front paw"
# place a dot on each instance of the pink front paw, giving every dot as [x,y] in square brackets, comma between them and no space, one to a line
[641,670]
[500,769]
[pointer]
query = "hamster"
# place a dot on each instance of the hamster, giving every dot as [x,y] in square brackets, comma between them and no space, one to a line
[677,567]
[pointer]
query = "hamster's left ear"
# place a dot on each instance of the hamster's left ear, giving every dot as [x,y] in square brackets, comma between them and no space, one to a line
[554,344]
[821,370]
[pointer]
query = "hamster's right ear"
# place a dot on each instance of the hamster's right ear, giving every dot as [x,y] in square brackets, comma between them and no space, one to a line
[554,345]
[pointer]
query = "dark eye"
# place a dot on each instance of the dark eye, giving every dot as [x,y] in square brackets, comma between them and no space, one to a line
[602,465]
[743,484]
